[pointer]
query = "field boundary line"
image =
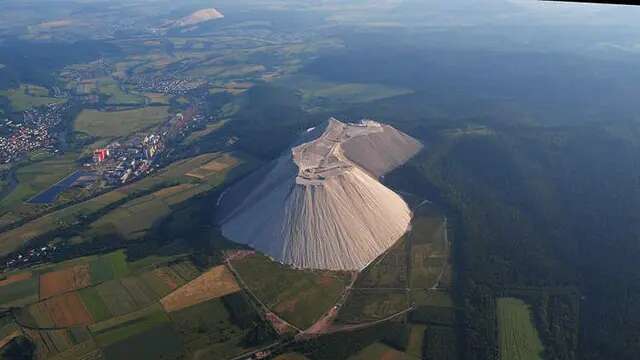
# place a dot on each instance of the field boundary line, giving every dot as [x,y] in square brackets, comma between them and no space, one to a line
[265,308]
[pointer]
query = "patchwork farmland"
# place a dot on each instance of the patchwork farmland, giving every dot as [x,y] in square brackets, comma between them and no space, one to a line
[103,306]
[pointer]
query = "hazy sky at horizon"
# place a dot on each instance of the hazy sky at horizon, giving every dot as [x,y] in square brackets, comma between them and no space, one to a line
[540,24]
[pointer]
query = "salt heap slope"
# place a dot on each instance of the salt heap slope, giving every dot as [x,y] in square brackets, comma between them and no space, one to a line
[320,206]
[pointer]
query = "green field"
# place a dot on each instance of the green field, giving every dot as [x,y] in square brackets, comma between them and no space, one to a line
[132,222]
[425,267]
[159,342]
[119,123]
[428,226]
[27,96]
[428,249]
[298,296]
[517,334]
[140,291]
[94,304]
[150,262]
[185,270]
[209,129]
[61,344]
[431,298]
[157,286]
[228,71]
[103,267]
[118,295]
[116,298]
[109,266]
[209,328]
[388,271]
[144,334]
[19,293]
[416,341]
[379,350]
[37,177]
[317,93]
[34,315]
[371,305]
[115,329]
[84,350]
[117,96]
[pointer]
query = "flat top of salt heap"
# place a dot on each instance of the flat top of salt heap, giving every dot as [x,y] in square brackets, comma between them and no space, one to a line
[324,157]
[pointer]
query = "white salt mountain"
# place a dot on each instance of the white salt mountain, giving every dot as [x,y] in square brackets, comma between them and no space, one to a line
[320,205]
[198,17]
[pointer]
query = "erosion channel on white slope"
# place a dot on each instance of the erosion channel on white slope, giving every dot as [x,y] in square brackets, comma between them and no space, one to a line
[321,206]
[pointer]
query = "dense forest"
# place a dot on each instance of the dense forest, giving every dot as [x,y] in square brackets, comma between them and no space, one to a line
[546,209]
[35,62]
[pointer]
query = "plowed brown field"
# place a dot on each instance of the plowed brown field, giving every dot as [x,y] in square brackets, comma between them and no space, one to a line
[61,281]
[67,310]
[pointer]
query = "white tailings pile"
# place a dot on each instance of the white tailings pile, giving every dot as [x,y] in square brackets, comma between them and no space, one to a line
[321,206]
[198,17]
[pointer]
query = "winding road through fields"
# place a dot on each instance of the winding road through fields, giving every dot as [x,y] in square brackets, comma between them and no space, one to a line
[325,325]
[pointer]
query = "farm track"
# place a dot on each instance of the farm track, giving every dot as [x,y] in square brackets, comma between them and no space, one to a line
[352,327]
[324,325]
[327,320]
[264,309]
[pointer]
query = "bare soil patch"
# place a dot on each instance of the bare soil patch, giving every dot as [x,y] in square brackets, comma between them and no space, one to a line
[172,190]
[213,284]
[214,166]
[278,325]
[61,281]
[232,255]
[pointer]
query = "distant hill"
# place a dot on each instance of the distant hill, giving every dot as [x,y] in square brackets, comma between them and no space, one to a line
[198,17]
